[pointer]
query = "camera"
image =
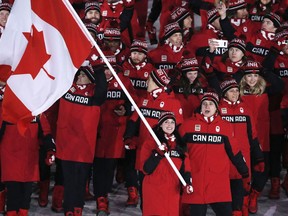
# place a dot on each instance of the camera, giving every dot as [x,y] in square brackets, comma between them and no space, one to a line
[221,43]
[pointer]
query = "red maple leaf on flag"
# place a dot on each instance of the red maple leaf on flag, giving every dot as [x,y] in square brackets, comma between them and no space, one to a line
[35,55]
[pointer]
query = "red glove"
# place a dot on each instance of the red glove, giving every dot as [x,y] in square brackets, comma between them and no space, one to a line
[162,149]
[50,157]
[130,144]
[246,184]
[259,167]
[188,189]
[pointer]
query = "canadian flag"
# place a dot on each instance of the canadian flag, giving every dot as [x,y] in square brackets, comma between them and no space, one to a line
[41,49]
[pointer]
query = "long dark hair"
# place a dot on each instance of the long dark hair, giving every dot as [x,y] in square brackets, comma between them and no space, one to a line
[181,146]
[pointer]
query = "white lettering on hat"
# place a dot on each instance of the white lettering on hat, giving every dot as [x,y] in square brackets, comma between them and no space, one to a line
[112,32]
[189,62]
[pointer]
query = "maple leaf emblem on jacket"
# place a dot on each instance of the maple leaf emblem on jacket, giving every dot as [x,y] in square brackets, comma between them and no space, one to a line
[35,50]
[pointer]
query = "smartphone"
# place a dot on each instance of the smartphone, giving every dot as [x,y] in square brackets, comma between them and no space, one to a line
[222,43]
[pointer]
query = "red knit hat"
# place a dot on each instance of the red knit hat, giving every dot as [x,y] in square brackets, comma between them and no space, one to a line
[5,6]
[92,5]
[139,46]
[275,18]
[238,43]
[112,31]
[164,116]
[171,28]
[211,96]
[179,14]
[252,67]
[228,84]
[160,77]
[189,64]
[235,5]
[212,15]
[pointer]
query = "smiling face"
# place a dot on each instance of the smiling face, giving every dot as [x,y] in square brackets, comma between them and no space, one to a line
[208,108]
[3,17]
[191,76]
[168,126]
[235,54]
[251,79]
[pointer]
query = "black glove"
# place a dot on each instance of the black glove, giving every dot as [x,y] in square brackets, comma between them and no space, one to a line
[49,143]
[50,148]
[152,162]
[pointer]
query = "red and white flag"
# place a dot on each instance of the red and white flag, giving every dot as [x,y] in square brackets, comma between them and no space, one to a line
[40,51]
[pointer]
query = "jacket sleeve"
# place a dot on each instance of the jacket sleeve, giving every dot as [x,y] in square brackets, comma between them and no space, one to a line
[155,10]
[276,83]
[132,128]
[227,28]
[236,156]
[125,18]
[101,86]
[255,147]
[45,133]
[152,162]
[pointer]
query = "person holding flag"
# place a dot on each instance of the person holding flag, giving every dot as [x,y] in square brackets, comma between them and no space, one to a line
[159,180]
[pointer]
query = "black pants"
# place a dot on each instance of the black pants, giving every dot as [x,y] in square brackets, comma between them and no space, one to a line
[44,170]
[237,192]
[75,175]
[259,179]
[131,177]
[103,175]
[221,209]
[18,195]
[59,172]
[276,147]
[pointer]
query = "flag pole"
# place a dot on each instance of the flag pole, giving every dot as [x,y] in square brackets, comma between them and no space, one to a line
[91,39]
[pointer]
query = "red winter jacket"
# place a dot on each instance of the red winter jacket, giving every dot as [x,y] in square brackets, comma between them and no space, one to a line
[78,118]
[111,126]
[163,57]
[258,104]
[243,126]
[210,146]
[161,188]
[20,155]
[138,74]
